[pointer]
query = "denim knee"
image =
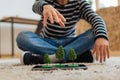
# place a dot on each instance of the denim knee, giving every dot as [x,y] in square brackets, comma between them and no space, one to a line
[21,37]
[92,40]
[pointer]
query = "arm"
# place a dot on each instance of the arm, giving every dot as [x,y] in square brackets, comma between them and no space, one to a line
[101,46]
[94,19]
[42,7]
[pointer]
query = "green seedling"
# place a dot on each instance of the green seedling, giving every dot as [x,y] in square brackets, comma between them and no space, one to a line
[60,53]
[72,55]
[47,59]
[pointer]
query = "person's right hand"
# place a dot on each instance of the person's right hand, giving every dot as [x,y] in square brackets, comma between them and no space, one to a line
[52,14]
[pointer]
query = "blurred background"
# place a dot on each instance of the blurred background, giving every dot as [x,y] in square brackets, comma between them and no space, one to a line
[17,16]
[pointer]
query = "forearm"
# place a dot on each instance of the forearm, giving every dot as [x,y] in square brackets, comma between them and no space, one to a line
[99,27]
[97,23]
[38,6]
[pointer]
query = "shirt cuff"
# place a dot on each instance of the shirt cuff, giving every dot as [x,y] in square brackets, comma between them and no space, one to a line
[101,36]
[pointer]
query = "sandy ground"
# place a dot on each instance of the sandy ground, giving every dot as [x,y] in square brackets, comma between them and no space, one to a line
[11,69]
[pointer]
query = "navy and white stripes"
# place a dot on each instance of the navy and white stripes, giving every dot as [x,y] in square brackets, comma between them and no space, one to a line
[73,11]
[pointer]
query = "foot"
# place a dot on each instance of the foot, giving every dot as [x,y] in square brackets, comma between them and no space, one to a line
[29,58]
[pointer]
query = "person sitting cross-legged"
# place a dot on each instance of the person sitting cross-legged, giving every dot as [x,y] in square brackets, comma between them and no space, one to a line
[59,18]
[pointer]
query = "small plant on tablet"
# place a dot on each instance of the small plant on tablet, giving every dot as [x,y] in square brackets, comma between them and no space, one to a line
[47,59]
[72,55]
[60,53]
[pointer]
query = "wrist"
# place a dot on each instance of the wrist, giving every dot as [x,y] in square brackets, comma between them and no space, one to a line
[44,5]
[104,37]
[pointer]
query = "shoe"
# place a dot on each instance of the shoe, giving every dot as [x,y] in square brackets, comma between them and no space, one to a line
[85,57]
[28,58]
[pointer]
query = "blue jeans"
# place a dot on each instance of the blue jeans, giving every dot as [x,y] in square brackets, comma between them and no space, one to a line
[29,41]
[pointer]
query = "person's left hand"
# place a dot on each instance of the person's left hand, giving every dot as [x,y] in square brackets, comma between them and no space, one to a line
[101,49]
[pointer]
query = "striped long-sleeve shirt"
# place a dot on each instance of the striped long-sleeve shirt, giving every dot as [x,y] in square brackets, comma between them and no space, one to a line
[73,11]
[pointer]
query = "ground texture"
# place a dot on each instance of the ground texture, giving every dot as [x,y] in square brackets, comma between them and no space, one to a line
[12,70]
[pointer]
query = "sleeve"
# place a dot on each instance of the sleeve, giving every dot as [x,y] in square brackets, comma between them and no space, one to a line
[97,23]
[38,6]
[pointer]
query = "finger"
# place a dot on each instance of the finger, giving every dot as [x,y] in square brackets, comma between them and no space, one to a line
[61,16]
[105,52]
[58,20]
[51,18]
[55,16]
[61,23]
[101,54]
[94,50]
[97,53]
[45,20]
[108,52]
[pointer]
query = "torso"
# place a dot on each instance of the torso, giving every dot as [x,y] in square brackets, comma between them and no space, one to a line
[71,12]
